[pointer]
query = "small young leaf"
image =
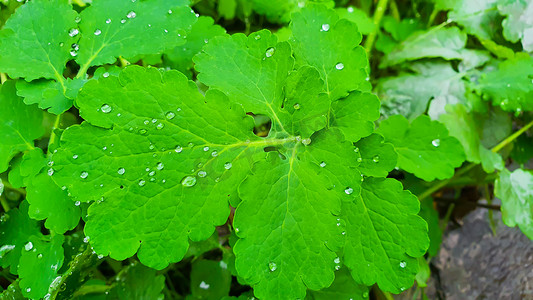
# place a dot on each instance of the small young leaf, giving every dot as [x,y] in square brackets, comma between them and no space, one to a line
[515,190]
[343,287]
[377,157]
[424,147]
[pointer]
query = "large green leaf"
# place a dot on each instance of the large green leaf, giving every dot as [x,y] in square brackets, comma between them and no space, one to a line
[424,147]
[138,282]
[516,193]
[384,235]
[478,17]
[279,11]
[20,124]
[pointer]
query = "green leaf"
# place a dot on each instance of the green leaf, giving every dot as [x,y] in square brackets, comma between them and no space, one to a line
[519,22]
[47,200]
[49,94]
[515,190]
[384,235]
[355,115]
[409,94]
[522,150]
[468,130]
[340,61]
[424,147]
[114,27]
[365,24]
[377,157]
[138,282]
[210,279]
[39,262]
[173,150]
[509,86]
[29,49]
[279,11]
[343,287]
[200,34]
[15,229]
[239,58]
[20,124]
[448,43]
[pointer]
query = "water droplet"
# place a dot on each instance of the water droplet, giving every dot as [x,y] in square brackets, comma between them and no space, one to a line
[123,21]
[40,256]
[142,131]
[77,203]
[350,9]
[160,126]
[63,188]
[142,182]
[151,147]
[301,4]
[402,289]
[337,260]
[105,75]
[121,171]
[160,166]
[97,32]
[202,174]
[257,37]
[365,295]
[84,174]
[403,264]
[214,153]
[296,106]
[228,165]
[206,148]
[348,191]
[306,141]
[188,181]
[359,159]
[337,267]
[73,53]
[343,233]
[237,230]
[104,148]
[339,66]
[28,246]
[50,172]
[151,173]
[170,11]
[435,142]
[28,290]
[50,163]
[270,51]
[75,156]
[75,46]
[106,108]
[356,150]
[108,21]
[73,32]
[131,15]
[272,266]
[375,158]
[170,115]
[325,27]
[204,285]
[178,149]
[323,164]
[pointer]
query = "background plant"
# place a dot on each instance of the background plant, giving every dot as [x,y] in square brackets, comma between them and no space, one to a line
[245,151]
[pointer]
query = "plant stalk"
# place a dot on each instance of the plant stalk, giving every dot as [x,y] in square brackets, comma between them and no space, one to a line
[378,15]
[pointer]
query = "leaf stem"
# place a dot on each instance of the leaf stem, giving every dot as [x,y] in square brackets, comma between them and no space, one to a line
[433,15]
[53,135]
[378,15]
[470,166]
[4,203]
[394,11]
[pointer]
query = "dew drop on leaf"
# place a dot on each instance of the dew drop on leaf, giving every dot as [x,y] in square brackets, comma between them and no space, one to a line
[348,191]
[142,182]
[350,9]
[105,75]
[75,156]
[214,153]
[359,159]
[73,32]
[337,260]
[73,53]
[28,290]
[323,164]
[106,108]
[108,21]
[325,27]
[123,21]
[77,203]
[170,115]
[204,285]
[403,264]
[435,142]
[28,246]
[160,166]
[142,131]
[160,126]
[206,148]
[306,141]
[188,181]
[50,172]
[131,15]
[178,149]
[356,150]
[202,174]
[270,51]
[97,32]
[296,106]
[339,66]
[375,158]
[228,165]
[272,266]
[40,256]
[84,174]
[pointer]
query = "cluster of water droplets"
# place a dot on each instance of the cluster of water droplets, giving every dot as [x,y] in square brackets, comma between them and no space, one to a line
[337,262]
